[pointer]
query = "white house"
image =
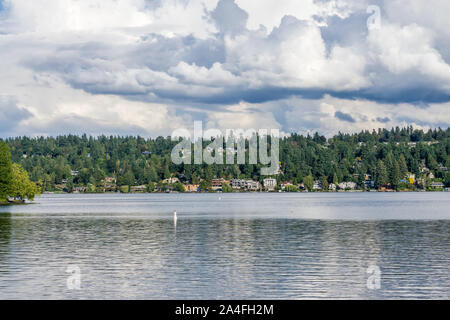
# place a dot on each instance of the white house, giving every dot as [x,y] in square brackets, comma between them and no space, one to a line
[347,185]
[270,184]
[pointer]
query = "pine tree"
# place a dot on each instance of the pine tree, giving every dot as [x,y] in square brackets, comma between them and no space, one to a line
[395,175]
[403,166]
[381,178]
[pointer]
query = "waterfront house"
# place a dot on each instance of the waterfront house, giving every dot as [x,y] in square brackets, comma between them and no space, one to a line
[110,184]
[138,189]
[216,184]
[270,184]
[192,188]
[436,185]
[332,187]
[284,184]
[252,185]
[317,185]
[79,189]
[171,180]
[369,184]
[237,183]
[347,185]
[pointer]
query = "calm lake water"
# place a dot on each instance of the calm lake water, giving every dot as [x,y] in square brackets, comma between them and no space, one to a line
[227,246]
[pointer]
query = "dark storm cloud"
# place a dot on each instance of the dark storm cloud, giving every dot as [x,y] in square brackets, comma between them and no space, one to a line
[344,117]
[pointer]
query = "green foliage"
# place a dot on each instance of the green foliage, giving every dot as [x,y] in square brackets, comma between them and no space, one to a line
[291,188]
[205,185]
[447,179]
[381,177]
[21,186]
[5,171]
[151,187]
[138,161]
[309,182]
[324,181]
[124,189]
[226,188]
[179,187]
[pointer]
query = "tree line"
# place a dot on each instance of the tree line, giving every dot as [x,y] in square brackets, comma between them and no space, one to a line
[386,156]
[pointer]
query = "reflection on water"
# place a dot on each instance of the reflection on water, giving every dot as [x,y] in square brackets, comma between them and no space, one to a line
[214,254]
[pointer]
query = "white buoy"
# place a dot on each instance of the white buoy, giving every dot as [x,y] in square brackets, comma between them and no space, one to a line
[175,216]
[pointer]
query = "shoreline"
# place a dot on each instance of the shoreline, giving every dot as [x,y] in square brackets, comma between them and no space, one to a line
[249,192]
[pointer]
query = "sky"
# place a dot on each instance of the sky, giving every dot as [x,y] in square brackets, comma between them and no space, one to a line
[149,67]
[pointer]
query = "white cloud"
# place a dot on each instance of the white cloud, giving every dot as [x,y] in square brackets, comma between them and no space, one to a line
[141,66]
[408,48]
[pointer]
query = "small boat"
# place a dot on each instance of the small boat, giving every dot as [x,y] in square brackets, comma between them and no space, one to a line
[14,201]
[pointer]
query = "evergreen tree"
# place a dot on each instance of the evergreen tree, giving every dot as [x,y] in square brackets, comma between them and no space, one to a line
[395,175]
[402,165]
[335,179]
[381,178]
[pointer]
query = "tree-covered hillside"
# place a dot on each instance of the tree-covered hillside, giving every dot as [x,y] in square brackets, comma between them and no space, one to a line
[386,156]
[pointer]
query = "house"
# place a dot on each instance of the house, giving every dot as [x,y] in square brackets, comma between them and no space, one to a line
[79,189]
[110,184]
[332,187]
[411,178]
[270,184]
[216,184]
[369,184]
[347,185]
[237,183]
[73,173]
[436,185]
[424,169]
[245,184]
[284,184]
[138,189]
[431,175]
[317,185]
[192,188]
[170,181]
[252,185]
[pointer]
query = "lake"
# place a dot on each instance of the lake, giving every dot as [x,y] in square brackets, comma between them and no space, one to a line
[227,246]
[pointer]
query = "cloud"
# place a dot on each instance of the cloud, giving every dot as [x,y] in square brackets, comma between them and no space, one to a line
[229,18]
[236,60]
[383,120]
[344,117]
[11,115]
